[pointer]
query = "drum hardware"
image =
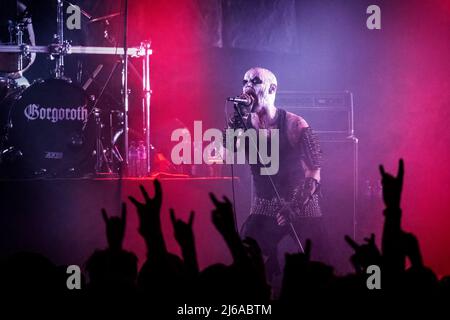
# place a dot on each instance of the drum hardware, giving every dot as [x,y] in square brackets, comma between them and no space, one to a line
[53,112]
[10,155]
[19,28]
[108,159]
[107,35]
[147,92]
[116,118]
[62,45]
[22,59]
[80,72]
[107,17]
[57,52]
[7,85]
[42,172]
[105,157]
[83,12]
[106,27]
[11,31]
[133,52]
[116,133]
[125,94]
[48,135]
[100,151]
[92,76]
[56,49]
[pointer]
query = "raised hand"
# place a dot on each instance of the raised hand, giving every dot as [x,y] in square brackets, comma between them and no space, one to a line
[392,186]
[149,211]
[185,238]
[182,230]
[222,216]
[223,220]
[365,254]
[115,228]
[412,249]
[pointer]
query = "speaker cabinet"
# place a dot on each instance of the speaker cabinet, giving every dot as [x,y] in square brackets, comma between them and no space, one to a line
[339,181]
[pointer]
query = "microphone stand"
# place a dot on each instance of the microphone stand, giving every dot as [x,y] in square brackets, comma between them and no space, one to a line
[290,224]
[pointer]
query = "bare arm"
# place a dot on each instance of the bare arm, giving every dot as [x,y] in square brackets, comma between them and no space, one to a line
[304,195]
[296,126]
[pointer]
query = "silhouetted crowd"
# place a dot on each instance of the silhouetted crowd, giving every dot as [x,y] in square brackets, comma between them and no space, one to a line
[165,277]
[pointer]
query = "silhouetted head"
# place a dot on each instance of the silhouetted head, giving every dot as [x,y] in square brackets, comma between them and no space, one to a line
[163,280]
[29,273]
[112,271]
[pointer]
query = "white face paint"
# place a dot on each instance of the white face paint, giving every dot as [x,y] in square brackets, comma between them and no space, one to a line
[261,84]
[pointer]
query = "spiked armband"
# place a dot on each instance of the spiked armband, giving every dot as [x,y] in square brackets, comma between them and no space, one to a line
[305,199]
[310,149]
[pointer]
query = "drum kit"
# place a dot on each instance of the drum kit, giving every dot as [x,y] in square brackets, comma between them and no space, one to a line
[53,128]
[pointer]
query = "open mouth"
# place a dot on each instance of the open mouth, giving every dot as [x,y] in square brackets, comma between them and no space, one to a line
[250,91]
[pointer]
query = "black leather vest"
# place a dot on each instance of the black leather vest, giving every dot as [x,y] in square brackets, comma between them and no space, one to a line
[290,173]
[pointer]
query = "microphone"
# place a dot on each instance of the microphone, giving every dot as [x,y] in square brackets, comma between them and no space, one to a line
[244,99]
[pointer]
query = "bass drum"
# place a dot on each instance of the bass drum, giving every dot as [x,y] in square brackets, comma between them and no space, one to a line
[50,132]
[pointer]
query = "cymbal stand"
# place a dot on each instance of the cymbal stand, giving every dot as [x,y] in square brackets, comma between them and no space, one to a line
[101,159]
[115,135]
[61,48]
[145,46]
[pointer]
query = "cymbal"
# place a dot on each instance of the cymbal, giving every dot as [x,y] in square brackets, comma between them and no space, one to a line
[109,16]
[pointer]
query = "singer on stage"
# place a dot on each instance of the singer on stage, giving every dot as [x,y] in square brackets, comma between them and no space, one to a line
[291,195]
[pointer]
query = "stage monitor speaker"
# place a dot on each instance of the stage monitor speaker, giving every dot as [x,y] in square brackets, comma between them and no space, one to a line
[328,113]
